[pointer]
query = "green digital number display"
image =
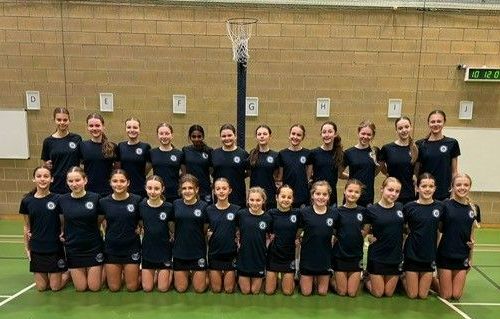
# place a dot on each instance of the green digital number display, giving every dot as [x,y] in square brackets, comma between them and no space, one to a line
[482,74]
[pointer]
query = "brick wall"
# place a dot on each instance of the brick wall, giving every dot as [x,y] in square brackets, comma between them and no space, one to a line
[144,54]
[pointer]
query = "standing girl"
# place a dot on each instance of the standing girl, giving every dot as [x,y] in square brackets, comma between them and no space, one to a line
[294,166]
[326,160]
[60,150]
[281,253]
[254,228]
[422,217]
[122,245]
[222,249]
[454,255]
[397,159]
[155,214]
[231,161]
[317,222]
[166,161]
[190,229]
[347,253]
[79,212]
[42,229]
[385,254]
[133,156]
[197,160]
[98,156]
[438,154]
[264,165]
[361,159]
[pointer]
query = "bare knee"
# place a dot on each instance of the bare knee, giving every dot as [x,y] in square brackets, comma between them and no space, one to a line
[411,295]
[377,293]
[341,291]
[322,291]
[288,291]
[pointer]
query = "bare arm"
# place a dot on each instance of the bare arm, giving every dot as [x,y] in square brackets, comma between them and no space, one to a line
[454,166]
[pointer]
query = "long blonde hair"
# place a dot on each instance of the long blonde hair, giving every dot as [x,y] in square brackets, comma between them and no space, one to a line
[467,198]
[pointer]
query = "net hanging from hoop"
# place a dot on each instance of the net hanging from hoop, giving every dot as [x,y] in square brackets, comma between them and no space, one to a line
[239,31]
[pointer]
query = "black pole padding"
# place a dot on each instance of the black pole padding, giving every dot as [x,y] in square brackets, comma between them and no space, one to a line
[241,99]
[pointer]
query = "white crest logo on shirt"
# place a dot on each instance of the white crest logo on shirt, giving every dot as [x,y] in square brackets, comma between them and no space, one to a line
[89,205]
[230,216]
[293,218]
[204,155]
[99,257]
[72,145]
[359,217]
[270,159]
[443,148]
[236,159]
[472,214]
[135,256]
[61,263]
[138,151]
[303,159]
[131,208]
[262,225]
[51,205]
[173,158]
[201,262]
[163,216]
[329,221]
[197,212]
[400,214]
[435,213]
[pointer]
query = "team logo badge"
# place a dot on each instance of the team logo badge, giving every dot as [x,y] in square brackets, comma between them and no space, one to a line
[270,159]
[99,257]
[208,198]
[400,214]
[466,262]
[236,159]
[131,208]
[433,265]
[359,217]
[72,145]
[303,159]
[204,155]
[472,214]
[138,151]
[89,205]
[61,263]
[163,216]
[435,213]
[197,212]
[51,205]
[293,218]
[292,265]
[173,158]
[261,272]
[443,148]
[262,225]
[230,216]
[201,262]
[329,221]
[135,256]
[167,264]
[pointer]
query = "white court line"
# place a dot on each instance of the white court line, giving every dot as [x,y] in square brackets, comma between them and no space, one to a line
[460,312]
[475,304]
[5,296]
[20,292]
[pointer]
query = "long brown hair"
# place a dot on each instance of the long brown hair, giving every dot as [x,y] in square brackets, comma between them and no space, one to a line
[440,112]
[254,153]
[337,148]
[108,148]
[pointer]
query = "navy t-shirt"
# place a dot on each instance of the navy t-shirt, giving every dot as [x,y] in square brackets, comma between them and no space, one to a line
[294,164]
[197,163]
[285,226]
[233,166]
[362,167]
[325,169]
[349,223]
[133,159]
[253,233]
[156,245]
[457,222]
[262,175]
[97,167]
[122,218]
[81,229]
[167,165]
[423,222]
[190,221]
[45,225]
[398,161]
[387,226]
[63,152]
[222,223]
[435,157]
[316,246]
